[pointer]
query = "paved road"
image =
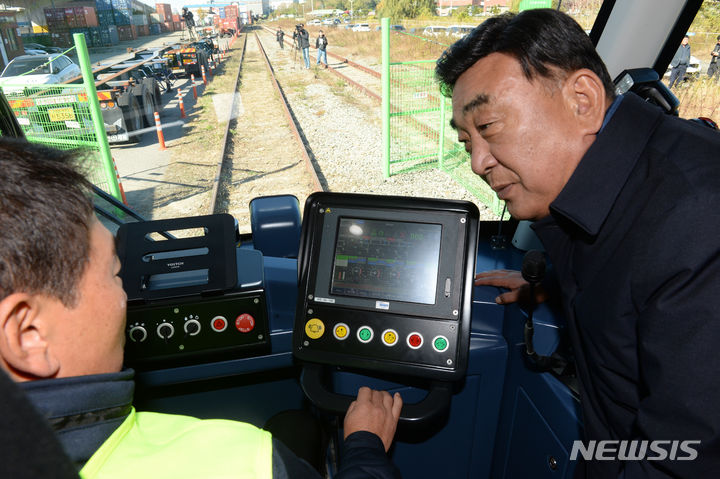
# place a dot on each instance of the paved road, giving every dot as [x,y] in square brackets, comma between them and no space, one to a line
[142,165]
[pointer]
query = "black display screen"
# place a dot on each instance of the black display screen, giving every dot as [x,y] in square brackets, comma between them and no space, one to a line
[386,260]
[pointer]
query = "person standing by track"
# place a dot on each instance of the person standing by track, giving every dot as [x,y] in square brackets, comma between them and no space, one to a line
[680,62]
[303,38]
[321,44]
[280,36]
[714,68]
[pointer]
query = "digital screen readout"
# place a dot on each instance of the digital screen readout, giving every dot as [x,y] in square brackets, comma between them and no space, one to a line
[386,260]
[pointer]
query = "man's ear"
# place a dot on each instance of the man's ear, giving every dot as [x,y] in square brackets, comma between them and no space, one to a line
[586,95]
[24,346]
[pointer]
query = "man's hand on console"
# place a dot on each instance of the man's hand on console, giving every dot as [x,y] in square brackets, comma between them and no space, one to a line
[376,412]
[512,280]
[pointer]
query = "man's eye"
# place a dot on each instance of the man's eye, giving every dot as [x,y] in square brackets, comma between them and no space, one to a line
[483,126]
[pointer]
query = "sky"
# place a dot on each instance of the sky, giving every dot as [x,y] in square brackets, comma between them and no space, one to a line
[178,4]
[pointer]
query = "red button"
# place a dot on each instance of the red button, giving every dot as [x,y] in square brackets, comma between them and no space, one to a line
[245,323]
[219,324]
[415,340]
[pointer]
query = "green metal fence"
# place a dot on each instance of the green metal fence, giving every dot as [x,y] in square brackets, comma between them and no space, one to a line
[415,126]
[67,117]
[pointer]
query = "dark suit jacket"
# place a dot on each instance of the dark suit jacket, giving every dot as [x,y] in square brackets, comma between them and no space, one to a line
[635,241]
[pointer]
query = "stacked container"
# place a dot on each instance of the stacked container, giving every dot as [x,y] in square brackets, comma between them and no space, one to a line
[165,12]
[122,13]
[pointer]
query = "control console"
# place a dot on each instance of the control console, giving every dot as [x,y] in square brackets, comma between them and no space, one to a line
[385,284]
[191,298]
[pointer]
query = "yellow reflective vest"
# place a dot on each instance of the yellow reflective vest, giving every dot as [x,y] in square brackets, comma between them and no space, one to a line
[157,446]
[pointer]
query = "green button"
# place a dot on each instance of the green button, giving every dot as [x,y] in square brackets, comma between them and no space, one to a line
[441,344]
[365,334]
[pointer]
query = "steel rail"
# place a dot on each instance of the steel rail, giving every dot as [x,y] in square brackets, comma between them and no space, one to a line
[291,120]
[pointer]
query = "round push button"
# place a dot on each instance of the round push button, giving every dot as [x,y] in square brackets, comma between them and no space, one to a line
[415,340]
[341,331]
[389,337]
[219,324]
[440,343]
[314,328]
[365,334]
[245,323]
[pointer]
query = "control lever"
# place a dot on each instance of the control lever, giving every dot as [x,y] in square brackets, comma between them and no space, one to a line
[533,271]
[431,408]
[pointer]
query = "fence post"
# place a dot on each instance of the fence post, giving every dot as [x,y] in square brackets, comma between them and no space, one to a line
[385,23]
[96,115]
[441,134]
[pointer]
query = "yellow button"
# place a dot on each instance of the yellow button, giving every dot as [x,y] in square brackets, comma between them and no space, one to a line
[314,328]
[341,331]
[390,337]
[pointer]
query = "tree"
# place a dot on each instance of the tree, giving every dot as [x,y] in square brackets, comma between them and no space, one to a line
[399,9]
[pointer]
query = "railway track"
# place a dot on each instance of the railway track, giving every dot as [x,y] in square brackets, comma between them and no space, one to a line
[296,131]
[264,151]
[250,168]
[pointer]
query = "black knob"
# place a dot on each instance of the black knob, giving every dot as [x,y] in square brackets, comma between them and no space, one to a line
[165,330]
[192,327]
[138,334]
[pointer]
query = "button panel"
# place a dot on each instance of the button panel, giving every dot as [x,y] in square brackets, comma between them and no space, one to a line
[177,333]
[408,340]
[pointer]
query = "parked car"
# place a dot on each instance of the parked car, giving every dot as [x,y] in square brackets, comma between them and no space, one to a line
[361,27]
[314,22]
[459,31]
[349,26]
[435,30]
[44,48]
[49,68]
[32,51]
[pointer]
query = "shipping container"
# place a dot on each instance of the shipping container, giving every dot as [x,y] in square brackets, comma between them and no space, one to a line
[61,39]
[155,29]
[126,32]
[122,17]
[122,4]
[178,26]
[165,11]
[139,19]
[70,17]
[109,35]
[142,30]
[103,5]
[105,17]
[231,11]
[176,18]
[168,27]
[85,17]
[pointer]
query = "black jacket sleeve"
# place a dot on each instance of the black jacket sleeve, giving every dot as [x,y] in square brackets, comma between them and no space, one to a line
[364,457]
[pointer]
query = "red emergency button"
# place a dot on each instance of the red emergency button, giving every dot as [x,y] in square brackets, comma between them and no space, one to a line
[415,340]
[245,323]
[218,324]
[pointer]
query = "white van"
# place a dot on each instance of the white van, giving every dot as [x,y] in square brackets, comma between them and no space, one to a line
[435,30]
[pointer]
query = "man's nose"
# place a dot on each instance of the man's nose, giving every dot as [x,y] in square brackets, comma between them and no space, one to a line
[481,160]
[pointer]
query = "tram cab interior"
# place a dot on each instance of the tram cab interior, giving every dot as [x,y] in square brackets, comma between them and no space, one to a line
[475,405]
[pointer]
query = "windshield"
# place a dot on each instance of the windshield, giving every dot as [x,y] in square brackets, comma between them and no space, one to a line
[24,65]
[232,141]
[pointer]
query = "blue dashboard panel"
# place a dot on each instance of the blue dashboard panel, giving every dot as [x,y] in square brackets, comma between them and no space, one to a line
[505,420]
